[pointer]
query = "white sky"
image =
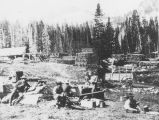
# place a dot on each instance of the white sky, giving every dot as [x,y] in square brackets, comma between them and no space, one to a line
[62,11]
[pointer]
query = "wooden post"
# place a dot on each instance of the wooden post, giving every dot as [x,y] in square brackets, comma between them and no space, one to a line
[126,70]
[119,74]
[29,56]
[23,56]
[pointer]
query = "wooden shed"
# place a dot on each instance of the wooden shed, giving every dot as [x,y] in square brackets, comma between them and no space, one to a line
[7,52]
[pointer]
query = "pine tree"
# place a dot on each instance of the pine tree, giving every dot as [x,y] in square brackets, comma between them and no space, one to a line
[116,47]
[45,41]
[32,37]
[135,32]
[88,35]
[129,48]
[40,27]
[157,33]
[98,32]
[144,37]
[108,40]
[51,33]
[6,29]
[153,36]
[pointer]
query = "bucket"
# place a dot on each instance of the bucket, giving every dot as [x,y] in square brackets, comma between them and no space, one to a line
[121,98]
[102,104]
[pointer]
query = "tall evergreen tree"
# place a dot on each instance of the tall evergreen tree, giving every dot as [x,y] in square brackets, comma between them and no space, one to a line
[52,34]
[135,32]
[116,47]
[153,37]
[98,32]
[40,28]
[88,35]
[157,33]
[7,35]
[46,41]
[144,37]
[108,40]
[128,37]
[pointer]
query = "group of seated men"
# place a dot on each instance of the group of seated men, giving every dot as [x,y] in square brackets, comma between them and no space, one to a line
[61,92]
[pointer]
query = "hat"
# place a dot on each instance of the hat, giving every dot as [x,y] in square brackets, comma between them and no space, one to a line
[58,82]
[146,106]
[66,81]
[130,95]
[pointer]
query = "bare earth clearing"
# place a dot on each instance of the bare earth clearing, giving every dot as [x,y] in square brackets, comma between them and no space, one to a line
[45,110]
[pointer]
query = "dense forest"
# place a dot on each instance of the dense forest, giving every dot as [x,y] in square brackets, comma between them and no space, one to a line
[134,35]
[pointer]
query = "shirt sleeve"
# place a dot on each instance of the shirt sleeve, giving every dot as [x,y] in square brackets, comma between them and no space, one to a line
[93,79]
[26,83]
[127,104]
[54,90]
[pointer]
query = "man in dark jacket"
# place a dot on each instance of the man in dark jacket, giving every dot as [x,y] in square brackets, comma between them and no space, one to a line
[102,69]
[59,94]
[20,87]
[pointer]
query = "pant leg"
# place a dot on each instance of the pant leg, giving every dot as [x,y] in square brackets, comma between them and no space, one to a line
[17,100]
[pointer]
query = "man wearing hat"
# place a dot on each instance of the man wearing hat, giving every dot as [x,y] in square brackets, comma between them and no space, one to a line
[102,69]
[67,88]
[59,94]
[131,105]
[20,87]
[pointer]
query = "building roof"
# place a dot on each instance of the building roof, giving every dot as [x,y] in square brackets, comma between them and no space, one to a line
[12,51]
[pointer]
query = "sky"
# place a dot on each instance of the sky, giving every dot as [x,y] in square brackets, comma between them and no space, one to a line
[62,11]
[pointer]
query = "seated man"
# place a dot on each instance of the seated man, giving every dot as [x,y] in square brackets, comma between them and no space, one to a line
[94,77]
[67,89]
[88,76]
[59,95]
[131,105]
[20,87]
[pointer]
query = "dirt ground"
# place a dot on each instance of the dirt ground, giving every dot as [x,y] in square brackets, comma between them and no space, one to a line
[46,110]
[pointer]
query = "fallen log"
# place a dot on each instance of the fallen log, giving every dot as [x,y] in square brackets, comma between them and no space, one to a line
[92,93]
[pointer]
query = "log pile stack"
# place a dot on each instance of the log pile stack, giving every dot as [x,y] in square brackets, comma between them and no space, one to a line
[119,56]
[135,57]
[68,60]
[86,58]
[87,50]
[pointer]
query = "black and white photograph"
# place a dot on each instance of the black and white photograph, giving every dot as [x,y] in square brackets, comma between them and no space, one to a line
[79,60]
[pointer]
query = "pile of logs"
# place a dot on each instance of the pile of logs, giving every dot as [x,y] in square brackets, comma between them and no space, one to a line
[129,57]
[135,57]
[85,59]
